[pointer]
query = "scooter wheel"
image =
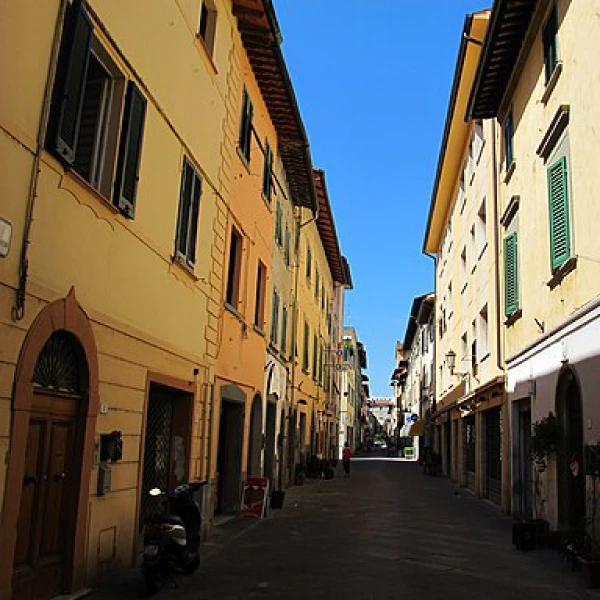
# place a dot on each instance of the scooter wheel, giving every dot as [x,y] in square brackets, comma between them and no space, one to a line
[193,565]
[155,580]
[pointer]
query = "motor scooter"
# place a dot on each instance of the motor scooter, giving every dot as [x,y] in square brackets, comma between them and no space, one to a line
[172,539]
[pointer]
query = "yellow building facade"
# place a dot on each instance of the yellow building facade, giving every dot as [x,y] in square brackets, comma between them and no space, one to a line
[111,193]
[548,207]
[471,415]
[126,333]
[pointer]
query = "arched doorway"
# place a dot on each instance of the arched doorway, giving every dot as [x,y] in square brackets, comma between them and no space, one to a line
[55,404]
[255,437]
[570,479]
[270,430]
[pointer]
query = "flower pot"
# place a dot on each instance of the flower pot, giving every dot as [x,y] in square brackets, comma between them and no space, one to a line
[591,571]
[277,498]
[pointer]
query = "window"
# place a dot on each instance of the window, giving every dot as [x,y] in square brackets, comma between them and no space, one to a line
[267,185]
[278,225]
[287,247]
[483,334]
[208,25]
[463,267]
[187,219]
[462,194]
[560,236]
[464,348]
[275,318]
[317,279]
[85,117]
[259,305]
[308,262]
[323,301]
[246,126]
[474,348]
[481,231]
[233,274]
[305,349]
[511,274]
[450,300]
[315,363]
[508,141]
[284,318]
[549,40]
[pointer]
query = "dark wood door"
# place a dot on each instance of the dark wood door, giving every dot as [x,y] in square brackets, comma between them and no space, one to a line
[45,521]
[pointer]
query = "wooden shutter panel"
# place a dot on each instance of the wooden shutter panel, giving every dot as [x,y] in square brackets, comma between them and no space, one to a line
[184,209]
[130,150]
[267,172]
[76,54]
[511,274]
[560,238]
[193,229]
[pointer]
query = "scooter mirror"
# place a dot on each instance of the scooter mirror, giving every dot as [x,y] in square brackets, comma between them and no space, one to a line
[155,492]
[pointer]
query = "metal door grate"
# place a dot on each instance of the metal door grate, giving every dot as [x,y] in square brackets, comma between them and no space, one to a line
[157,452]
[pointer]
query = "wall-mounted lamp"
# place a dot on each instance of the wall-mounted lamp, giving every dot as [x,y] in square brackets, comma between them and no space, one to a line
[451,362]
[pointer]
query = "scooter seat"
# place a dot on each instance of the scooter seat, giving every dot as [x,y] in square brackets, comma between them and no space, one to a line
[171,519]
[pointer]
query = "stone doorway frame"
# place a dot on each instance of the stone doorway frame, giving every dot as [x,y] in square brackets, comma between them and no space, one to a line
[61,315]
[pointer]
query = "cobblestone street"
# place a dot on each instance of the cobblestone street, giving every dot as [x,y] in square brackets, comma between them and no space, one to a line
[387,532]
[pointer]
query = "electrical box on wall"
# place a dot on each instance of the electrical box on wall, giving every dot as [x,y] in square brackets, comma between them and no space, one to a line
[111,446]
[104,480]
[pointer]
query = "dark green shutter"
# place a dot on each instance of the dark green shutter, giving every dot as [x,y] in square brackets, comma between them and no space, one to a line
[69,97]
[284,329]
[130,150]
[193,228]
[246,125]
[184,211]
[511,274]
[267,171]
[560,237]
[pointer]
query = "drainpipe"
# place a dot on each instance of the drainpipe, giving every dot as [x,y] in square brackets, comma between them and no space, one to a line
[18,310]
[433,257]
[499,358]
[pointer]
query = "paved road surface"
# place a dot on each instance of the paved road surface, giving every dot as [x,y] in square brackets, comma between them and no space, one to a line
[386,532]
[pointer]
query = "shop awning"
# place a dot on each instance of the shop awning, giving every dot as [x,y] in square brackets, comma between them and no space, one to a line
[417,428]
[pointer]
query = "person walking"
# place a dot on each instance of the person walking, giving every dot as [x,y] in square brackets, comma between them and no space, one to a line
[346,459]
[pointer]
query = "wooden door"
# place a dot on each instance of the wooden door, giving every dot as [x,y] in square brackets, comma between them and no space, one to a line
[45,516]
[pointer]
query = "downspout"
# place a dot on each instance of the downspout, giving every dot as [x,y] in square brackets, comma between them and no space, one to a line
[434,259]
[499,331]
[294,340]
[18,310]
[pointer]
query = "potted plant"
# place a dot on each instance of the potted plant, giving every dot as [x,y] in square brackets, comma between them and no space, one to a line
[299,474]
[544,441]
[589,559]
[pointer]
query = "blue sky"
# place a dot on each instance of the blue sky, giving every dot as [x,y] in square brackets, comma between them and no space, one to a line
[373,80]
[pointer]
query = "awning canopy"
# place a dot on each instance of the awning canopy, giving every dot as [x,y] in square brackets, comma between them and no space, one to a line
[417,428]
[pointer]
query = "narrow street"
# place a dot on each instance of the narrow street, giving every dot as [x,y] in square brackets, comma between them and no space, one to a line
[387,532]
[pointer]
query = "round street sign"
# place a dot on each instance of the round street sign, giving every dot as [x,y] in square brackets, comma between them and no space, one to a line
[414,418]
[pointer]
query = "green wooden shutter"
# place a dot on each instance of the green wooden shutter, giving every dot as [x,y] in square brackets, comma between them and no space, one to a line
[284,329]
[130,150]
[275,318]
[278,225]
[560,237]
[511,274]
[75,53]
[267,171]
